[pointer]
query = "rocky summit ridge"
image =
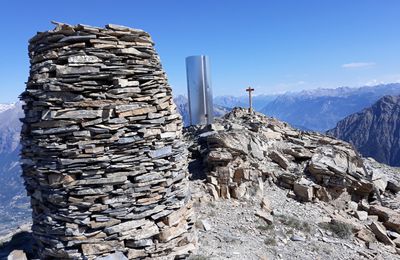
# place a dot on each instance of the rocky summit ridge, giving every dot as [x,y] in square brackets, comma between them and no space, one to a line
[252,157]
[242,147]
[264,190]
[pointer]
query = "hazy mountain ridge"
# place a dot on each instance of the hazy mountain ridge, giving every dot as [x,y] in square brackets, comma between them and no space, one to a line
[14,206]
[375,131]
[10,127]
[259,101]
[321,109]
[4,107]
[182,105]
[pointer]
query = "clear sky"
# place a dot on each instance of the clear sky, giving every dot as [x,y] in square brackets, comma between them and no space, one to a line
[274,46]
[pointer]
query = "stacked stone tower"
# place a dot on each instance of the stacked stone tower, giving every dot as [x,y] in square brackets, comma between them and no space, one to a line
[102,153]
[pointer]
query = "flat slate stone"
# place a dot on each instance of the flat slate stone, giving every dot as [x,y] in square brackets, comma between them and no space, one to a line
[79,114]
[162,152]
[78,38]
[83,59]
[63,70]
[114,256]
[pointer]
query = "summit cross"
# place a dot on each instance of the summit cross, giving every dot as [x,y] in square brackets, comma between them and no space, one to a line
[250,89]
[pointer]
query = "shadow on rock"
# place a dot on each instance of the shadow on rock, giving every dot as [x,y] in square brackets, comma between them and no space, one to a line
[21,241]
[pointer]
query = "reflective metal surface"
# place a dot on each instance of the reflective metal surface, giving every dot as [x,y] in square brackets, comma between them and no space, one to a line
[199,90]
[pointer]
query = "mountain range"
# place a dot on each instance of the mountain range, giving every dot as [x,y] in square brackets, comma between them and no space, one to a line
[374,131]
[14,205]
[182,105]
[317,109]
[320,110]
[259,101]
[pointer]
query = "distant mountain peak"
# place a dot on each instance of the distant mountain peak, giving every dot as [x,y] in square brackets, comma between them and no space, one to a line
[4,107]
[342,91]
[374,131]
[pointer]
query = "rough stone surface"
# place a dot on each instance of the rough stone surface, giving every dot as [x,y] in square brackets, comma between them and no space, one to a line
[311,164]
[362,215]
[17,255]
[366,235]
[102,152]
[319,169]
[303,189]
[380,233]
[266,216]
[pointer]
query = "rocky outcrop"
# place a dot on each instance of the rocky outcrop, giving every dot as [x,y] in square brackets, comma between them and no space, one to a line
[241,148]
[375,131]
[243,153]
[102,154]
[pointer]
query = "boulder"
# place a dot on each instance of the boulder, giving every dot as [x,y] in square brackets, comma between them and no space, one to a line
[279,158]
[352,205]
[379,179]
[393,222]
[380,233]
[17,255]
[366,235]
[205,225]
[266,205]
[339,167]
[362,215]
[303,189]
[266,216]
[219,156]
[256,149]
[382,212]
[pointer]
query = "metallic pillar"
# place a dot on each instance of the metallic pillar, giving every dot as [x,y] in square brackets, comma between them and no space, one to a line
[199,90]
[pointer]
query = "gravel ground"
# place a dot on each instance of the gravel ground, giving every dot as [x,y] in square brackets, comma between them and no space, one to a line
[233,231]
[237,233]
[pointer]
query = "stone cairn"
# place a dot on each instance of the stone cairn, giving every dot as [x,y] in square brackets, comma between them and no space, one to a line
[102,153]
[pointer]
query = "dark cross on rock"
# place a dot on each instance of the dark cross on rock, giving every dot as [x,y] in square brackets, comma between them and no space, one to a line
[250,89]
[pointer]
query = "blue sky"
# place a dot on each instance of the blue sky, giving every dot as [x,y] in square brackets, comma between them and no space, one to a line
[274,46]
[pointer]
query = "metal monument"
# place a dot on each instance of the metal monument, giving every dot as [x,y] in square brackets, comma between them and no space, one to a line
[199,90]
